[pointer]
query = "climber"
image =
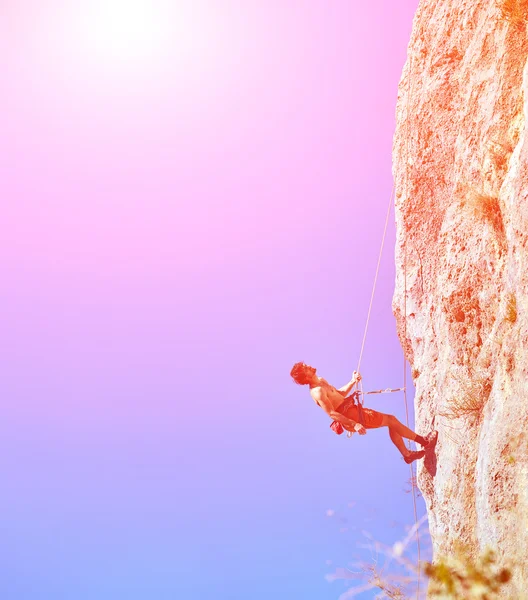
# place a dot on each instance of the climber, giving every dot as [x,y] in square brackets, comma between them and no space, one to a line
[346,413]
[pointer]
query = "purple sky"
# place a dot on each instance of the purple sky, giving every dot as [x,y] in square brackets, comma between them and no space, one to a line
[193,199]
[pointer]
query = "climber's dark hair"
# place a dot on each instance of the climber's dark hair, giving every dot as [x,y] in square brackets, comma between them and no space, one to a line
[298,373]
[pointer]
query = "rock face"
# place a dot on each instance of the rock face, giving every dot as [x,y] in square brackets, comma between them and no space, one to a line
[461,297]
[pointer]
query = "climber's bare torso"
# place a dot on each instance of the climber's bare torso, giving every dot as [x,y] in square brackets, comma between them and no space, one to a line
[334,397]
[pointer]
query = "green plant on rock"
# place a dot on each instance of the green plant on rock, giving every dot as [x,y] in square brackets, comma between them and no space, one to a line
[500,153]
[474,390]
[511,309]
[466,406]
[460,576]
[514,11]
[486,207]
[395,571]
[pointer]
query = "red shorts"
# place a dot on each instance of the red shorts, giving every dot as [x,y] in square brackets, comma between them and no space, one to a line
[372,418]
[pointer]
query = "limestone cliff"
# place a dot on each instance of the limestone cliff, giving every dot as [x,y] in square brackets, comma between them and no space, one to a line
[461,297]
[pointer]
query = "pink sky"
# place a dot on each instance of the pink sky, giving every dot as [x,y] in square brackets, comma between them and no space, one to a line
[187,212]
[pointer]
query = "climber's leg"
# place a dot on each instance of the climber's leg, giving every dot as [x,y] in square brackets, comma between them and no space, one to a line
[392,423]
[409,456]
[396,431]
[397,440]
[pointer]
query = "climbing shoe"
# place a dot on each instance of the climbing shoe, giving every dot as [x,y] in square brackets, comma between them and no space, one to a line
[414,456]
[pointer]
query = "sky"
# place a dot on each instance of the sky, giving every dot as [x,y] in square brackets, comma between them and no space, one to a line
[193,198]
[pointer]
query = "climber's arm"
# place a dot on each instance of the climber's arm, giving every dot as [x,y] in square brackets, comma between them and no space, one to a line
[349,423]
[356,378]
[319,395]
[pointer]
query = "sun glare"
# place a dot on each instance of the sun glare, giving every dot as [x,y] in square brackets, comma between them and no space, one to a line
[170,43]
[126,29]
[131,32]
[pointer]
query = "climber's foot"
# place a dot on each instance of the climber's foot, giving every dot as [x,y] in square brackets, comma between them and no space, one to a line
[414,455]
[430,439]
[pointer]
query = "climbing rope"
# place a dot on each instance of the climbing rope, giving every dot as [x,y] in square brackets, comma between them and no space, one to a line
[413,486]
[375,278]
[411,468]
[360,392]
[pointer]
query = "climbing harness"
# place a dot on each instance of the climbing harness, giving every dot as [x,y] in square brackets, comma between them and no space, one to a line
[413,478]
[352,400]
[386,391]
[356,399]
